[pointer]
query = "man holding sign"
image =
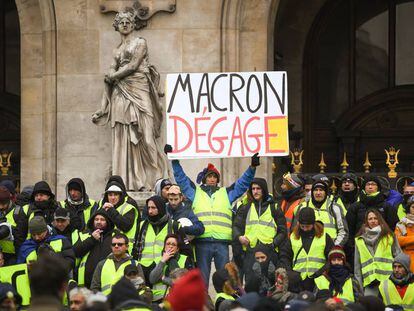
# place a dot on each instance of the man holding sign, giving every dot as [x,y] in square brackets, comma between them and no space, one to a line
[212,206]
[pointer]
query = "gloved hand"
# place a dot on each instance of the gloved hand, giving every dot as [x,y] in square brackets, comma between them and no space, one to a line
[255,160]
[167,148]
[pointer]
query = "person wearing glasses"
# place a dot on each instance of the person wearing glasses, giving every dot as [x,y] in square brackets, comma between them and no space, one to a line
[110,270]
[171,260]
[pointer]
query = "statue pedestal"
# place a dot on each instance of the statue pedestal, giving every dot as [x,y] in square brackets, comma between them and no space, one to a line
[141,197]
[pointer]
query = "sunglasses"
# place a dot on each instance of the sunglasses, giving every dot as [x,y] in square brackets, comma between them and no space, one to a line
[118,244]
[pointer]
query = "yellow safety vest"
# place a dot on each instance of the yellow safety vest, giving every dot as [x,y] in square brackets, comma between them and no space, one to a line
[153,245]
[7,245]
[377,266]
[347,295]
[123,209]
[308,263]
[159,289]
[401,212]
[110,275]
[86,212]
[323,215]
[56,246]
[391,296]
[18,277]
[82,264]
[261,228]
[341,204]
[215,213]
[224,296]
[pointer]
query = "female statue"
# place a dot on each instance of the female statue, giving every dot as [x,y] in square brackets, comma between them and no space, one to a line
[131,104]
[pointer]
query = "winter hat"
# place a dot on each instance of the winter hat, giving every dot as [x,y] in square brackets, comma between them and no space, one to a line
[307,216]
[113,188]
[4,194]
[351,177]
[292,181]
[74,186]
[131,269]
[61,213]
[37,225]
[249,300]
[122,291]
[210,169]
[297,305]
[8,291]
[164,183]
[319,184]
[321,178]
[374,179]
[42,187]
[337,252]
[9,185]
[188,293]
[404,260]
[27,191]
[306,296]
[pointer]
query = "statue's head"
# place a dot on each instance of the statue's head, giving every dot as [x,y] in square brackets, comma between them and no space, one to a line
[126,21]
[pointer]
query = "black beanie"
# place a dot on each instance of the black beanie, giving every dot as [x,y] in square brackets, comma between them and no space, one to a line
[74,186]
[307,216]
[374,179]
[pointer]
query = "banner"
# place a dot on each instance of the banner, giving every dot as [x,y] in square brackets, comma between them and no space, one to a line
[221,115]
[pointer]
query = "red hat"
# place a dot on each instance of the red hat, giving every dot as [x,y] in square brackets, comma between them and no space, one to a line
[188,293]
[4,194]
[337,252]
[210,169]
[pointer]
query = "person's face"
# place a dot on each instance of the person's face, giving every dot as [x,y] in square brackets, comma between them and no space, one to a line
[319,194]
[99,222]
[257,192]
[398,270]
[119,247]
[4,205]
[39,237]
[371,187]
[77,302]
[164,191]
[372,220]
[306,227]
[308,188]
[171,245]
[41,197]
[211,179]
[125,26]
[152,209]
[8,304]
[337,261]
[75,195]
[347,185]
[408,190]
[114,197]
[260,257]
[61,224]
[174,200]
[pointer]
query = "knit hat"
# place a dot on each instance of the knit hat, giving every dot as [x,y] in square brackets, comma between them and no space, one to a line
[164,183]
[74,186]
[319,184]
[337,252]
[320,178]
[307,216]
[404,260]
[374,179]
[8,291]
[188,293]
[42,187]
[4,194]
[37,225]
[131,269]
[9,185]
[292,181]
[61,213]
[210,169]
[351,177]
[122,291]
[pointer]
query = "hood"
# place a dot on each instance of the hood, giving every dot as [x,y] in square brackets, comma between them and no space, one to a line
[102,212]
[262,184]
[81,185]
[119,182]
[160,204]
[42,186]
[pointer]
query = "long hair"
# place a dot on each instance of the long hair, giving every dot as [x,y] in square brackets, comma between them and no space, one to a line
[385,229]
[318,230]
[177,238]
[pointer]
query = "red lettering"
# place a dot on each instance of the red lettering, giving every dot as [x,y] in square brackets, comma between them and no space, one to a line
[237,127]
[255,136]
[219,139]
[197,134]
[176,149]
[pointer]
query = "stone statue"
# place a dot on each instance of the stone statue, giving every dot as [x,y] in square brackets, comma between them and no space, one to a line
[131,104]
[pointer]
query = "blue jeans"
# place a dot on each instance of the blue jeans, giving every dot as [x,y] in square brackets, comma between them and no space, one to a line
[206,251]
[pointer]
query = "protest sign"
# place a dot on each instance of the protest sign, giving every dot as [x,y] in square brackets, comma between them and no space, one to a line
[211,115]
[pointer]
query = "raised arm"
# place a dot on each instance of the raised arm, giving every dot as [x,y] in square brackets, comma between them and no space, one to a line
[183,181]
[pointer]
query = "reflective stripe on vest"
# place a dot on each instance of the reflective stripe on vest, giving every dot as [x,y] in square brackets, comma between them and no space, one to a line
[379,266]
[215,213]
[123,209]
[56,245]
[308,263]
[159,289]
[110,275]
[153,245]
[261,228]
[391,296]
[82,264]
[17,276]
[224,296]
[8,245]
[347,295]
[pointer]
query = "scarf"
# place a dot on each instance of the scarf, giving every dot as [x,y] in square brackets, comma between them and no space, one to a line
[338,275]
[402,282]
[349,196]
[371,235]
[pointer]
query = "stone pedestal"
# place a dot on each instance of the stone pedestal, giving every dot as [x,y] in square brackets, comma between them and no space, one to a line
[141,197]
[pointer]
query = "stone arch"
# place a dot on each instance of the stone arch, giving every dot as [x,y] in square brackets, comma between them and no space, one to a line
[38,91]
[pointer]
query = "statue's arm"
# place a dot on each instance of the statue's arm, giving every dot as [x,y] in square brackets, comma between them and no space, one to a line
[133,65]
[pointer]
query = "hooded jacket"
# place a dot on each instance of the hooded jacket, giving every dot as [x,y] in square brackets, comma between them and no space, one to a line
[77,210]
[46,210]
[97,249]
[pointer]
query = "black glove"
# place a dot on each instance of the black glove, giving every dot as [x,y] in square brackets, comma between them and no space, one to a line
[255,160]
[167,148]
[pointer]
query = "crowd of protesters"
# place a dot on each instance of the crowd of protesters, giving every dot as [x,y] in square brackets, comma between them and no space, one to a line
[305,249]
